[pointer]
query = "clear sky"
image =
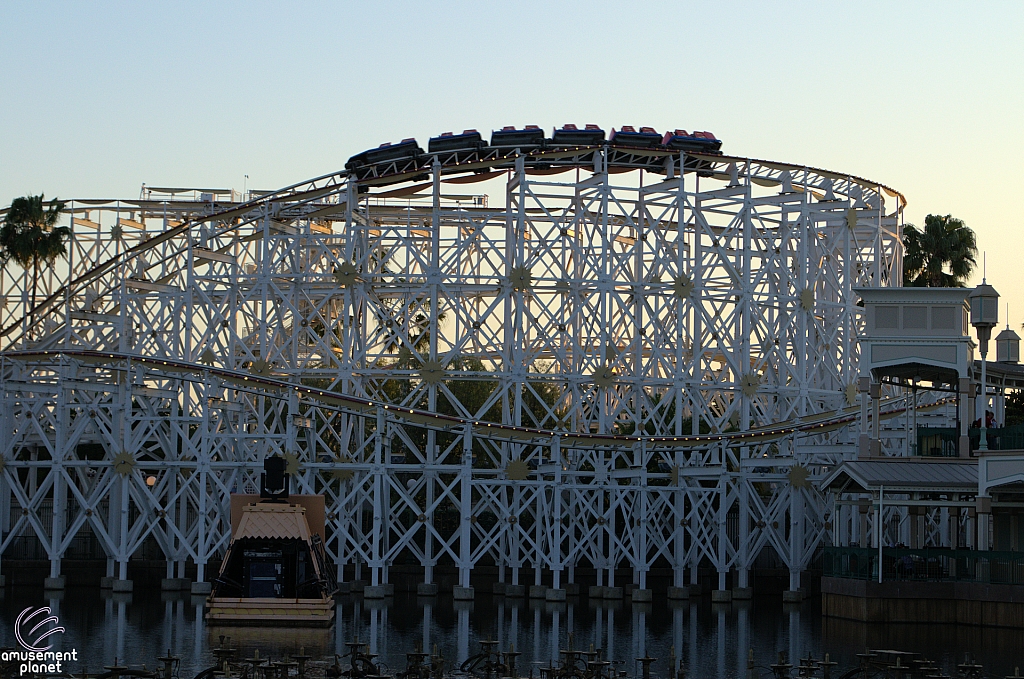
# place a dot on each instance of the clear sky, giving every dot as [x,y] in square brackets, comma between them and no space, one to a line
[927,97]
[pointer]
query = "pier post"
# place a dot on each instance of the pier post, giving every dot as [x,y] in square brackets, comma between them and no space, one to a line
[720,593]
[556,593]
[678,533]
[122,543]
[56,580]
[5,502]
[428,586]
[965,415]
[60,489]
[876,440]
[376,534]
[741,588]
[984,510]
[917,526]
[971,528]
[465,515]
[796,545]
[983,567]
[862,526]
[864,441]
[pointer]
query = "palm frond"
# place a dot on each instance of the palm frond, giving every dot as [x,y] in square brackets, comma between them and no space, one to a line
[942,254]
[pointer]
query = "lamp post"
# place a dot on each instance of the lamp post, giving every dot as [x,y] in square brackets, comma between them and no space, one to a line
[1008,346]
[984,317]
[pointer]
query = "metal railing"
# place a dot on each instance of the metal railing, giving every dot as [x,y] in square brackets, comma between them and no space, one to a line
[942,441]
[927,565]
[937,441]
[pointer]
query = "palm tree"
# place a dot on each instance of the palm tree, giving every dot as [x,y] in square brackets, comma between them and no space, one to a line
[942,255]
[30,236]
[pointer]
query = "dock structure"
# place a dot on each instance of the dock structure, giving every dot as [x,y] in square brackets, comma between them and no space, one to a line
[932,533]
[950,540]
[631,359]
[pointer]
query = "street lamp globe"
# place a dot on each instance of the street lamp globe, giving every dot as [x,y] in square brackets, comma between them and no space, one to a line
[1008,346]
[984,316]
[984,312]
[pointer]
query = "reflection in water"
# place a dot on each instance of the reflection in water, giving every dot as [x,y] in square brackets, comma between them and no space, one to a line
[709,640]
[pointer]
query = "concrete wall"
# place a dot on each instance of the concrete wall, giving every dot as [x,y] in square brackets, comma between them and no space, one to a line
[965,603]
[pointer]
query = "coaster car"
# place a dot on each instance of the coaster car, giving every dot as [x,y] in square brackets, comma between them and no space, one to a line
[406,149]
[647,137]
[699,142]
[570,135]
[530,137]
[469,140]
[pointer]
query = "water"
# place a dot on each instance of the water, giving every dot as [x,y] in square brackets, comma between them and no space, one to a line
[711,640]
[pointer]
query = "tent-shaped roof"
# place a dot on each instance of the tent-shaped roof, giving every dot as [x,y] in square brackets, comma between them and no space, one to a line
[274,522]
[914,475]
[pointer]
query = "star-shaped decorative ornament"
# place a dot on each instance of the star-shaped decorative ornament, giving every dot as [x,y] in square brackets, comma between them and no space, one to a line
[604,376]
[340,470]
[346,274]
[521,278]
[851,218]
[124,463]
[517,470]
[807,299]
[261,368]
[432,372]
[749,384]
[798,476]
[682,286]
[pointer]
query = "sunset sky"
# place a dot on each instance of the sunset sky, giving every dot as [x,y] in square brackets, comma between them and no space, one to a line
[926,97]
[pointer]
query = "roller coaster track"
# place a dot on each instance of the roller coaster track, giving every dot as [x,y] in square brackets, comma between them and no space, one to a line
[816,424]
[301,199]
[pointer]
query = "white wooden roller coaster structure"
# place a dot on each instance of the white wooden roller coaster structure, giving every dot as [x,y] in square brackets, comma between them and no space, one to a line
[612,364]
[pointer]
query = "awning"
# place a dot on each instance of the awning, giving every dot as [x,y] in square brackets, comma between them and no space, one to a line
[273,522]
[939,475]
